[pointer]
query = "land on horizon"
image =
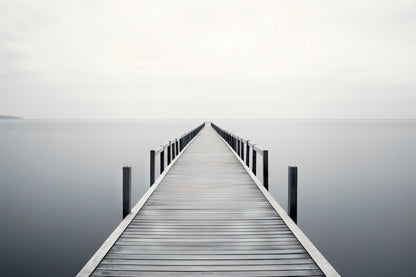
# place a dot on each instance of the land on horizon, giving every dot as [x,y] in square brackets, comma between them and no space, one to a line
[9,117]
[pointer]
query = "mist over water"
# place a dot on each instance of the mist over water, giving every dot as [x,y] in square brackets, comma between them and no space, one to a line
[60,187]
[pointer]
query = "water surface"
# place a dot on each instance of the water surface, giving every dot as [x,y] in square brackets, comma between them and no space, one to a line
[60,187]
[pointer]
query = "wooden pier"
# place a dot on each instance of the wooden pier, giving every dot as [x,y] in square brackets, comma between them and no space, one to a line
[207,214]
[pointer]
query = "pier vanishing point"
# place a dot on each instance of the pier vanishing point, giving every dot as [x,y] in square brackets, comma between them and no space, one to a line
[207,214]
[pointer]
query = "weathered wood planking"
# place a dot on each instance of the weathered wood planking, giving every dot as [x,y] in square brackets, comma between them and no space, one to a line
[207,215]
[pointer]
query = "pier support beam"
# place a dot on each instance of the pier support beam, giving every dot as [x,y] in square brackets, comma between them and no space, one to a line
[126,190]
[169,153]
[247,153]
[162,161]
[152,167]
[254,161]
[293,192]
[242,151]
[266,169]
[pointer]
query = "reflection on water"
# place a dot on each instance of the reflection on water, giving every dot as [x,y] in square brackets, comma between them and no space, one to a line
[60,187]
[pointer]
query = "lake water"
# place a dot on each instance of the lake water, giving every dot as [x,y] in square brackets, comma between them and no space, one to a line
[60,187]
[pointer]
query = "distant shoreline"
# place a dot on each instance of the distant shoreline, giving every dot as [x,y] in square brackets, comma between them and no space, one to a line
[10,117]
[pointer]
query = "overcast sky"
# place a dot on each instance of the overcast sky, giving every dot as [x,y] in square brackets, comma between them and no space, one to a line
[208,59]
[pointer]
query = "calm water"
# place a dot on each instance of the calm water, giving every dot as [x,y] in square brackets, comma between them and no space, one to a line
[60,187]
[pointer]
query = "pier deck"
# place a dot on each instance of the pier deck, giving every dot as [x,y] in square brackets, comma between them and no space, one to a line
[207,215]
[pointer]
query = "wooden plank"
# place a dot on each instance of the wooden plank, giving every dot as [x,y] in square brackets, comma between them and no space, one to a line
[200,239]
[243,248]
[180,262]
[287,273]
[221,257]
[206,268]
[205,251]
[218,235]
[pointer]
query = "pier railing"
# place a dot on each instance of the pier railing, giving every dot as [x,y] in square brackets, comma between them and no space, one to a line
[168,151]
[242,148]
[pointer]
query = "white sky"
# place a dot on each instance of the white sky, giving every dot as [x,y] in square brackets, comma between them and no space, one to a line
[208,59]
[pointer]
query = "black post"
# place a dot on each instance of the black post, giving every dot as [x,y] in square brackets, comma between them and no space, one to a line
[126,190]
[242,151]
[173,150]
[169,153]
[254,162]
[293,192]
[152,167]
[162,161]
[248,154]
[266,169]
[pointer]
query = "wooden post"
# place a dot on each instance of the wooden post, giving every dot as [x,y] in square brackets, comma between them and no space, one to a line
[169,153]
[266,169]
[293,192]
[248,154]
[242,151]
[126,190]
[172,145]
[162,160]
[177,147]
[152,167]
[254,162]
[238,147]
[235,144]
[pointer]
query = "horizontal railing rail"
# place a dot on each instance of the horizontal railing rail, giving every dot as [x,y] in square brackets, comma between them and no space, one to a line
[241,146]
[172,148]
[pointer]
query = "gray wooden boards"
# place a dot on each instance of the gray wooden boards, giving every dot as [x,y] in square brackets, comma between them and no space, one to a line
[206,216]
